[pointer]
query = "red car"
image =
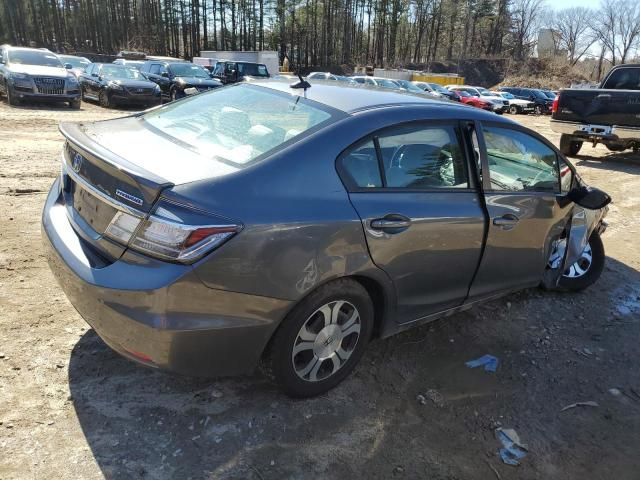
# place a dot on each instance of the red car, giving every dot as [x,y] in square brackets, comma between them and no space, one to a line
[473,101]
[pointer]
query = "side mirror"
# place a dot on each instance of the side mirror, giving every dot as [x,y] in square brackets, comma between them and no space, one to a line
[68,66]
[165,74]
[590,198]
[94,74]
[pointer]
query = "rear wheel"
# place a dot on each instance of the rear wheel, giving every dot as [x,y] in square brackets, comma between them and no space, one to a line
[321,340]
[514,110]
[587,269]
[569,146]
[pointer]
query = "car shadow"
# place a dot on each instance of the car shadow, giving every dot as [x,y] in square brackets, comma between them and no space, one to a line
[142,423]
[627,162]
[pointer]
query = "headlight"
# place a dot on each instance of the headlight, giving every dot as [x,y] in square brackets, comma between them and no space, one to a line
[19,76]
[114,86]
[72,79]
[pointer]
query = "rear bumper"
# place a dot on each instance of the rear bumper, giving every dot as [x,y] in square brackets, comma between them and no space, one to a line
[157,313]
[617,133]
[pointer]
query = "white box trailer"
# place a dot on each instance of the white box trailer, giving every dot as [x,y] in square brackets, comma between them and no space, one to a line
[268,58]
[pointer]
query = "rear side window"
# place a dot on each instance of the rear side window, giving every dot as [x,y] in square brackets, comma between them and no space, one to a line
[408,157]
[624,79]
[361,166]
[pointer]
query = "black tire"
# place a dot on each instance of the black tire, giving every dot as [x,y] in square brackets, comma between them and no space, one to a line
[615,148]
[499,112]
[279,358]
[173,95]
[592,273]
[514,110]
[538,109]
[104,99]
[11,98]
[75,104]
[569,146]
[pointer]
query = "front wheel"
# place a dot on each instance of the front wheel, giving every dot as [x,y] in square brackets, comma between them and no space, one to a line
[11,98]
[587,269]
[75,104]
[321,340]
[539,110]
[104,99]
[514,110]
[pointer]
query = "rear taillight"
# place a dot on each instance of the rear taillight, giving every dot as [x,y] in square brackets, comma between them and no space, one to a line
[554,105]
[166,239]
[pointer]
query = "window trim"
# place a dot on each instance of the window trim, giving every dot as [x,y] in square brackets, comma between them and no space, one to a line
[486,179]
[345,177]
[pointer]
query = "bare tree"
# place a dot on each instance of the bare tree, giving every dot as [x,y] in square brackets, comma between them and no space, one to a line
[617,26]
[526,18]
[574,31]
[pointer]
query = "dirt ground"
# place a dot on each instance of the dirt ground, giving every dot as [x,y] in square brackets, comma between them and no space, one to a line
[70,408]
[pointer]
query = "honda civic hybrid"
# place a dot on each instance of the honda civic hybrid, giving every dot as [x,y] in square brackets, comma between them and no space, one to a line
[287,225]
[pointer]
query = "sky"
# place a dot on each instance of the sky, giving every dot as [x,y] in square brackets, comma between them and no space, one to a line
[560,4]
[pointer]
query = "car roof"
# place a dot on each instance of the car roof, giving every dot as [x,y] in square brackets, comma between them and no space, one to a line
[351,99]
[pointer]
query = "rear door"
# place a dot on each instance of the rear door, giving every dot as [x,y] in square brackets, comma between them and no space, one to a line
[412,187]
[527,209]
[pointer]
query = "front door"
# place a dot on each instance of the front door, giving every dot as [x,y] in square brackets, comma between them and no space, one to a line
[523,198]
[421,212]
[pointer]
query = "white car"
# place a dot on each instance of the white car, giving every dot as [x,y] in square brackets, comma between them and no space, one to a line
[377,82]
[499,104]
[516,105]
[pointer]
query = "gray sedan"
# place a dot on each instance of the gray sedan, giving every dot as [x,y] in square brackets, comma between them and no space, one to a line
[266,224]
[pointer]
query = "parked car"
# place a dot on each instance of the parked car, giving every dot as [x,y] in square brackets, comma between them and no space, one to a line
[208,246]
[322,76]
[609,115]
[113,85]
[550,94]
[412,88]
[474,101]
[499,105]
[137,64]
[34,74]
[74,64]
[174,77]
[233,72]
[438,90]
[376,82]
[516,105]
[541,101]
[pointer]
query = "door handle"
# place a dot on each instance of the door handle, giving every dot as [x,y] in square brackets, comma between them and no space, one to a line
[394,222]
[506,221]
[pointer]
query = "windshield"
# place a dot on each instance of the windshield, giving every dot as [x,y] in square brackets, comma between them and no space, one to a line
[438,88]
[463,93]
[76,62]
[253,70]
[549,94]
[34,57]
[239,123]
[539,94]
[507,95]
[485,93]
[410,86]
[188,70]
[123,73]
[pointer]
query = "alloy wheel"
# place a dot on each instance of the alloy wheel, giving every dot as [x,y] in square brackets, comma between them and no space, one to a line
[326,341]
[582,265]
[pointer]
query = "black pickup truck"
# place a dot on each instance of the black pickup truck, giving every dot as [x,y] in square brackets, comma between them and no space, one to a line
[609,115]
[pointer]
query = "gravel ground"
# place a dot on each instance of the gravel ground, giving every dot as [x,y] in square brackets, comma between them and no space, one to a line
[70,408]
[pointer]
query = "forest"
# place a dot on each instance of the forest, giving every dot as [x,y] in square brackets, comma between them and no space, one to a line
[326,33]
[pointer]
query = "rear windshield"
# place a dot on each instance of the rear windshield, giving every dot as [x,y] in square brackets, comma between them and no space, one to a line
[624,79]
[34,57]
[239,123]
[252,70]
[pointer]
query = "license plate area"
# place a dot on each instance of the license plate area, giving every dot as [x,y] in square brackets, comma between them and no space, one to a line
[90,208]
[599,130]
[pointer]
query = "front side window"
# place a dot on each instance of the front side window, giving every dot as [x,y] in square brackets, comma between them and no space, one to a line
[237,124]
[155,69]
[520,162]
